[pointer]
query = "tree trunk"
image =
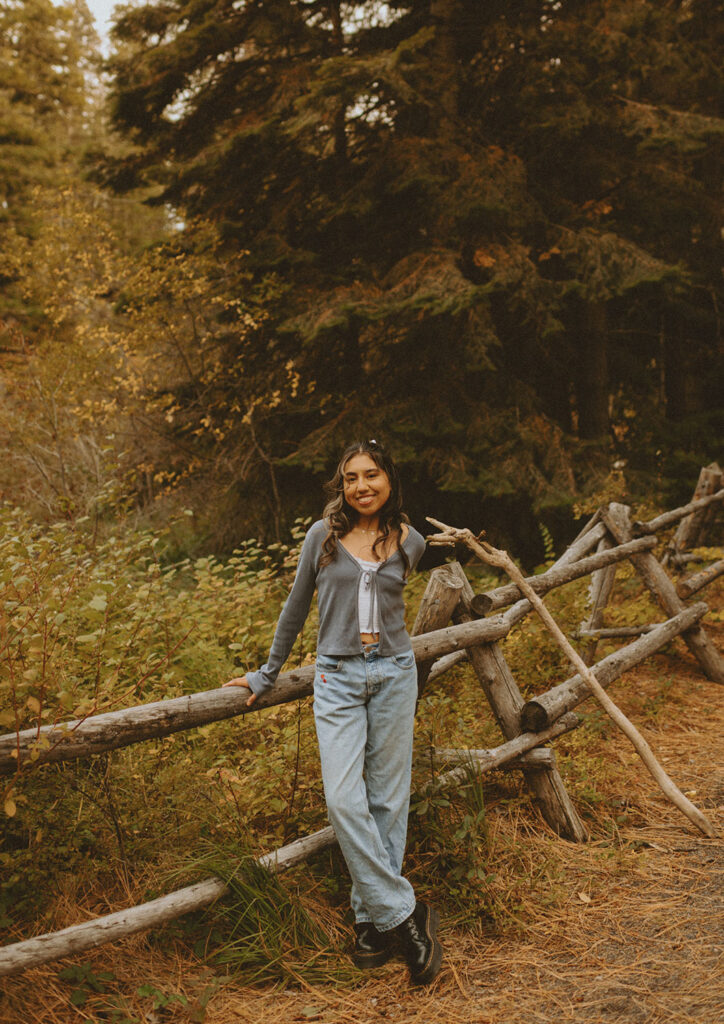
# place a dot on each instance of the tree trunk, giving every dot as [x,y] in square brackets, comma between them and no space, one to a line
[352,372]
[339,127]
[445,15]
[592,389]
[679,385]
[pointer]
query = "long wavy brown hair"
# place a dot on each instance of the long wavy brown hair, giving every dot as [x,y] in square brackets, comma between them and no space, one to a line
[341,517]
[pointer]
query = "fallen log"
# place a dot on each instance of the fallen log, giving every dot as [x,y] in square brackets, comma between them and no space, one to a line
[680,559]
[114,729]
[487,760]
[541,757]
[540,712]
[693,584]
[493,600]
[55,945]
[501,559]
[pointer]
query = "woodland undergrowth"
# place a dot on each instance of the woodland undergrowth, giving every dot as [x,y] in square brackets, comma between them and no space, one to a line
[90,623]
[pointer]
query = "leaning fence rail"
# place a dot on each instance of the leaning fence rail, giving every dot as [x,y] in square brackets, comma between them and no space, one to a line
[526,726]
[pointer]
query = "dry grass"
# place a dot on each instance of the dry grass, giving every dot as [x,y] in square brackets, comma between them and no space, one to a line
[629,927]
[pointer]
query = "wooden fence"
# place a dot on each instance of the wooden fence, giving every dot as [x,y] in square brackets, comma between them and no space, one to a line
[479,623]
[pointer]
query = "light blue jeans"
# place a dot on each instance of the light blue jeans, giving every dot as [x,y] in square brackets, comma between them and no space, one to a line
[364,711]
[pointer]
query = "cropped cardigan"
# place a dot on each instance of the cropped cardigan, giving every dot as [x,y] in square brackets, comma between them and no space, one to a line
[337,587]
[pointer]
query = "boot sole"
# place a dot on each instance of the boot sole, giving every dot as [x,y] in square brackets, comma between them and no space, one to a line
[432,968]
[367,960]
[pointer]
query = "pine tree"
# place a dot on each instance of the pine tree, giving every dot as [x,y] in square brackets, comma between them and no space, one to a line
[450,199]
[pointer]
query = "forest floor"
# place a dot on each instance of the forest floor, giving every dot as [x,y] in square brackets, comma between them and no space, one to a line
[633,931]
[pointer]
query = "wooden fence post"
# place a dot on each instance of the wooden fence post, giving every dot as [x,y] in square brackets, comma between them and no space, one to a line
[601,586]
[618,520]
[506,702]
[691,528]
[441,596]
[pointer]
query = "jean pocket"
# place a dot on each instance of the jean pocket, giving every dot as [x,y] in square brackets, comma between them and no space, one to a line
[406,660]
[328,663]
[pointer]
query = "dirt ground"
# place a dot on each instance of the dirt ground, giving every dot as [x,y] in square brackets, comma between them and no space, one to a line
[633,934]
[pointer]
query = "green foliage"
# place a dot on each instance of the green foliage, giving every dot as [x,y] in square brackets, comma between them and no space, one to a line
[453,828]
[87,625]
[261,929]
[548,545]
[87,981]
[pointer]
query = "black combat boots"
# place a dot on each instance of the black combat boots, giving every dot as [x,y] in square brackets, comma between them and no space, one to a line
[419,943]
[371,948]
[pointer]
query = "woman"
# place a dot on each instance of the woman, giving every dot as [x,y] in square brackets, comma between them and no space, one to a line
[358,557]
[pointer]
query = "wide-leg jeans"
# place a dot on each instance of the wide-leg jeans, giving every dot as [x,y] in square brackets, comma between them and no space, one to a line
[364,711]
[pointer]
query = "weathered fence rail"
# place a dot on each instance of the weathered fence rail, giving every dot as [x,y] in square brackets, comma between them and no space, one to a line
[697,581]
[677,514]
[494,600]
[115,729]
[526,726]
[79,937]
[540,712]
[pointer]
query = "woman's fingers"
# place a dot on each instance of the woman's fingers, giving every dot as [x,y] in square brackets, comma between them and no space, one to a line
[242,681]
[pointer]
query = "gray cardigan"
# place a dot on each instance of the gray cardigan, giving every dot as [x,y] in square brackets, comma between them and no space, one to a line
[337,587]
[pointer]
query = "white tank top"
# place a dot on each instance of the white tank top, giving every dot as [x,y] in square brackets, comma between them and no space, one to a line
[369,616]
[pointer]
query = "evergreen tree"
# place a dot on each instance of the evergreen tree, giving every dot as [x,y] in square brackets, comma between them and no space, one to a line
[450,200]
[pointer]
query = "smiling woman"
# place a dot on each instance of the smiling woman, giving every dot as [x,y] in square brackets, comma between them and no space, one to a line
[366,488]
[358,558]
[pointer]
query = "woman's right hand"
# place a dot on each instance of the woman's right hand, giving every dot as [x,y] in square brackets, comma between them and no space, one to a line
[242,681]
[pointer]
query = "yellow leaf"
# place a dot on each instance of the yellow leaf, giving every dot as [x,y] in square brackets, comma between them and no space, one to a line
[34,704]
[10,807]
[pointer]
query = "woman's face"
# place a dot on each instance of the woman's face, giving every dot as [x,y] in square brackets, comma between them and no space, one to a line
[366,486]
